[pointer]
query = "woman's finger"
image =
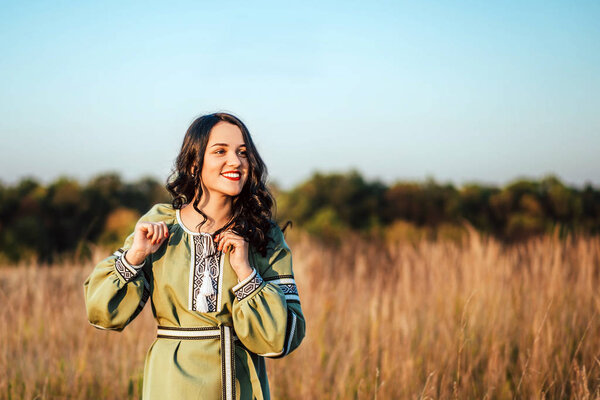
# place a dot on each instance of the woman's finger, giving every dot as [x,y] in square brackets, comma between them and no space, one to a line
[157,233]
[222,243]
[153,233]
[149,230]
[227,234]
[165,229]
[228,244]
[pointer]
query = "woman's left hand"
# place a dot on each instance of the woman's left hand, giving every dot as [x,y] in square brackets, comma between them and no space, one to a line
[237,247]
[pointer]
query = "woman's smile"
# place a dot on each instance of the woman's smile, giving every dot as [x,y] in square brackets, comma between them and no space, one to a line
[232,175]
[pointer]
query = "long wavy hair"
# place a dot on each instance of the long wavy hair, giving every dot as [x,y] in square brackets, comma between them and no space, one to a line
[252,208]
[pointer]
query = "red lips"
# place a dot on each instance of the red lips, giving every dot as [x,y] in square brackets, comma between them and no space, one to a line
[231,178]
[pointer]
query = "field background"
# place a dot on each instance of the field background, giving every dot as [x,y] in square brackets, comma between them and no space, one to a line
[439,161]
[475,319]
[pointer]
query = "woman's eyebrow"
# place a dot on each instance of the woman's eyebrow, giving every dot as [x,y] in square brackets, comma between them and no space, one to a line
[226,145]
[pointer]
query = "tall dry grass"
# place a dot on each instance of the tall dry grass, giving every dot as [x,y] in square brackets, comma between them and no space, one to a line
[431,320]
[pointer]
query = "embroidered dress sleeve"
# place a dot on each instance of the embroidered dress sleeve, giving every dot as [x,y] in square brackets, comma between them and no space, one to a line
[116,291]
[267,316]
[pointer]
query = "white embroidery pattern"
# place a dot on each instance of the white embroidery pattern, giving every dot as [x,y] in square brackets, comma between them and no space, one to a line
[287,284]
[126,270]
[205,258]
[247,286]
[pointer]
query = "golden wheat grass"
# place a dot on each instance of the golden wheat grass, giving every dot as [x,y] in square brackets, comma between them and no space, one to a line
[431,320]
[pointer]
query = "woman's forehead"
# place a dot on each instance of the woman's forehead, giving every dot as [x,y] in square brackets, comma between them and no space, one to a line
[227,134]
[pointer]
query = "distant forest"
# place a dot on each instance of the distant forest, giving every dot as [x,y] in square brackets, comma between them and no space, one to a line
[67,218]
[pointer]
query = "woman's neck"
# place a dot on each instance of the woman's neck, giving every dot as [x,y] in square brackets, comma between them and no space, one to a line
[216,209]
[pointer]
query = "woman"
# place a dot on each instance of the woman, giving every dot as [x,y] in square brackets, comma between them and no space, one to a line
[217,271]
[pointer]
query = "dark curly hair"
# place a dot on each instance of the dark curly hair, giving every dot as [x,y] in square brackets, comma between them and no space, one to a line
[252,208]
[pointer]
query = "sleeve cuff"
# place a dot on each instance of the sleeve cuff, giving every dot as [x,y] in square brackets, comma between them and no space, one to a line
[125,269]
[248,286]
[287,284]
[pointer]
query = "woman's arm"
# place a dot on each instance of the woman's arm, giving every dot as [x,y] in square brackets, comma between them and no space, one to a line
[119,286]
[267,315]
[116,291]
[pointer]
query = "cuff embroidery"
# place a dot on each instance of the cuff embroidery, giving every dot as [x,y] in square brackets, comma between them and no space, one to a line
[248,286]
[126,270]
[287,284]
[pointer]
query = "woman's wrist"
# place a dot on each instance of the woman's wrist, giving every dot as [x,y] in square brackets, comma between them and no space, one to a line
[135,257]
[243,271]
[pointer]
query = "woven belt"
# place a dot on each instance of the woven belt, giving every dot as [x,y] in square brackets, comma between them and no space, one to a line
[227,338]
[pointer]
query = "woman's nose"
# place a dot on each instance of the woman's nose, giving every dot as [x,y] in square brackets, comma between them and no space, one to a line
[234,160]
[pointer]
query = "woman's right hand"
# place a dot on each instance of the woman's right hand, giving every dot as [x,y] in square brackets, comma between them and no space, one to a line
[148,237]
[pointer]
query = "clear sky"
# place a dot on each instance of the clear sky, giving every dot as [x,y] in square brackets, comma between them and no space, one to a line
[459,91]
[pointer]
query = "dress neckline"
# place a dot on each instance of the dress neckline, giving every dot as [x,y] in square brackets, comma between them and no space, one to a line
[185,228]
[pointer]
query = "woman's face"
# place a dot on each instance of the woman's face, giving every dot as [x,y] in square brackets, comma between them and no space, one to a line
[225,167]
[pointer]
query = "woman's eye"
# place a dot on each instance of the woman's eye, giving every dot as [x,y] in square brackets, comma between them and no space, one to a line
[243,153]
[219,151]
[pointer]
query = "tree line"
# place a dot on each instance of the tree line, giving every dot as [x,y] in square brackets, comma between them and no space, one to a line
[331,204]
[45,222]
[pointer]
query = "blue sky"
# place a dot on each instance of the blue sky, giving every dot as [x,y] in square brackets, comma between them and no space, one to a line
[459,91]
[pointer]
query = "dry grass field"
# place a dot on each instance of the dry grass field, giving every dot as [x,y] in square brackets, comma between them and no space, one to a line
[424,321]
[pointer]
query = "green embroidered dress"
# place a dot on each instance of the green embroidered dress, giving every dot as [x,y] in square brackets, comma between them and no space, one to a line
[210,344]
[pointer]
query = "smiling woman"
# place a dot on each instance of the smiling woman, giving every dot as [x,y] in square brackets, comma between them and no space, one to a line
[215,267]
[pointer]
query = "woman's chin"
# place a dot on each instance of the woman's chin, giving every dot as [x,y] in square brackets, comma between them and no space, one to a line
[231,192]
